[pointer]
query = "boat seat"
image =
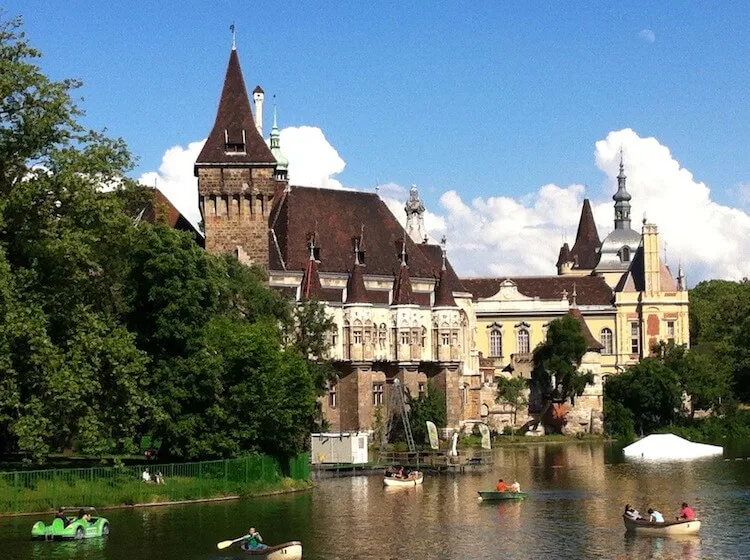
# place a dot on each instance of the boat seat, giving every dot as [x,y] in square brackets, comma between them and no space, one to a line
[57,525]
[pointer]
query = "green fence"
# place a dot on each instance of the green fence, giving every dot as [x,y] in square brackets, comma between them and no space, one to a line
[42,490]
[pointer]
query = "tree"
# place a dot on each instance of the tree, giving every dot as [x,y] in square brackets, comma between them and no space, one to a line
[512,391]
[558,359]
[427,406]
[650,390]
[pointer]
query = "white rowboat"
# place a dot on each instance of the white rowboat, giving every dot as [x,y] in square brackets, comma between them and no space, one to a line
[668,528]
[291,550]
[414,480]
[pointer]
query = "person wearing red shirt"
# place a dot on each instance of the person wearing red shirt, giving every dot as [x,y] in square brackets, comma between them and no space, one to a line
[687,512]
[501,486]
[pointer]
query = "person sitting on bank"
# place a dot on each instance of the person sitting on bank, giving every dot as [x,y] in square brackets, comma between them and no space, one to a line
[501,486]
[61,515]
[654,516]
[686,512]
[253,540]
[515,487]
[146,475]
[632,513]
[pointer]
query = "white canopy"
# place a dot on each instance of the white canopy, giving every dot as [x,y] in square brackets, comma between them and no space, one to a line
[669,447]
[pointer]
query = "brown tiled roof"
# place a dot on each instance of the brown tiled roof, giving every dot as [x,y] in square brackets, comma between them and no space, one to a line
[443,292]
[234,116]
[434,254]
[161,210]
[355,285]
[592,290]
[402,293]
[338,216]
[564,255]
[592,343]
[311,288]
[585,251]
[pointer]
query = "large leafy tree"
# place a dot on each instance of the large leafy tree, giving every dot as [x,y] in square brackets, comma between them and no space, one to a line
[512,391]
[557,361]
[429,406]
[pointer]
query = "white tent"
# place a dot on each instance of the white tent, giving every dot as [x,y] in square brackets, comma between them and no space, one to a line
[667,447]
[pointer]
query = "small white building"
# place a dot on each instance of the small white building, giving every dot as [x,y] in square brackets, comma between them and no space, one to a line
[340,447]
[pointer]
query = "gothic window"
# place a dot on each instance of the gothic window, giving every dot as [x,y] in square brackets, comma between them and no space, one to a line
[606,340]
[445,338]
[635,338]
[424,337]
[415,334]
[382,334]
[625,254]
[404,338]
[422,389]
[670,332]
[357,333]
[524,345]
[454,339]
[496,343]
[377,393]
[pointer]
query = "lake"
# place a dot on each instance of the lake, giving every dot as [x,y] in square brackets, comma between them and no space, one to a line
[577,494]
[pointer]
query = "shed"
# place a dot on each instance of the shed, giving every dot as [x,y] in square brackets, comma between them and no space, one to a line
[339,447]
[667,447]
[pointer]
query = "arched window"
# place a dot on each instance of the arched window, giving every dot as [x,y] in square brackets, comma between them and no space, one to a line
[606,339]
[496,343]
[625,254]
[524,346]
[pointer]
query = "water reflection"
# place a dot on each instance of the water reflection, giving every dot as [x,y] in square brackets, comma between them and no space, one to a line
[577,492]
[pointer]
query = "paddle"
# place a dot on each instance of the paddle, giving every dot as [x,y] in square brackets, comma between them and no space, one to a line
[225,544]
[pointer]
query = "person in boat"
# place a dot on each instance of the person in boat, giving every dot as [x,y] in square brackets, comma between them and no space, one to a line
[632,513]
[390,471]
[61,515]
[253,540]
[400,473]
[654,516]
[686,512]
[501,486]
[515,487]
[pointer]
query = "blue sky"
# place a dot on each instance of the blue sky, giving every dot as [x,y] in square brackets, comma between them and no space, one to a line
[485,98]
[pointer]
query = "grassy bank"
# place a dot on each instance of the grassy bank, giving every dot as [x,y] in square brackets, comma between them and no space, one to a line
[34,491]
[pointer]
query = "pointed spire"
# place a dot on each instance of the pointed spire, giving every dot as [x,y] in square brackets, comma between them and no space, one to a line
[563,256]
[402,292]
[585,249]
[282,163]
[681,281]
[355,285]
[443,290]
[311,286]
[622,198]
[592,344]
[574,297]
[234,138]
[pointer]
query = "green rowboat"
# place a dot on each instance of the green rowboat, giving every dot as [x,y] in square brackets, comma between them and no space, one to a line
[494,495]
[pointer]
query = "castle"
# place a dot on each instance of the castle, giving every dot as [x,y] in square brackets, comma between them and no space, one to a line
[400,310]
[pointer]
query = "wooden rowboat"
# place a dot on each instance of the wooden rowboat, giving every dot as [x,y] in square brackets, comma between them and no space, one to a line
[413,480]
[291,550]
[494,495]
[644,527]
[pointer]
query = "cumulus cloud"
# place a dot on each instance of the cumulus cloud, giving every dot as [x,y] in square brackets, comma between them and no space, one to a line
[647,36]
[312,162]
[521,235]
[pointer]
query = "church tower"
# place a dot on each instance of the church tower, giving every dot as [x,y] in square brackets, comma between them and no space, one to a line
[236,176]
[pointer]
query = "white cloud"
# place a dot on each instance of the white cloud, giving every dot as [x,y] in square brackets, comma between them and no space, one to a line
[521,235]
[312,159]
[647,36]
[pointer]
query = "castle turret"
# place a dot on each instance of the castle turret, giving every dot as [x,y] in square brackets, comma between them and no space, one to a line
[282,164]
[258,96]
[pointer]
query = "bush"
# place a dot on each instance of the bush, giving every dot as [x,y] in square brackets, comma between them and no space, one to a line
[618,421]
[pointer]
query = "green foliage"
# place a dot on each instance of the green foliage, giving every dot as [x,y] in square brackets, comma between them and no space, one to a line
[111,329]
[650,390]
[512,391]
[559,357]
[618,421]
[427,406]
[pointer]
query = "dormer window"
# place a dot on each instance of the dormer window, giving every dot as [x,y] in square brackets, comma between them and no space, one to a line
[235,145]
[316,253]
[625,254]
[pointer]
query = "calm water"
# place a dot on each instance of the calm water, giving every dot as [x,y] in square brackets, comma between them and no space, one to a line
[578,492]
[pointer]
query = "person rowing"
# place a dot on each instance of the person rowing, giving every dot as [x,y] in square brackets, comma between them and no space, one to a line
[253,540]
[501,486]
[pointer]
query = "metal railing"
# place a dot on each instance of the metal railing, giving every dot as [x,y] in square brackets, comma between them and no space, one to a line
[40,490]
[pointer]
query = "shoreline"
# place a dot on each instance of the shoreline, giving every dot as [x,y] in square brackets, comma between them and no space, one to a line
[268,493]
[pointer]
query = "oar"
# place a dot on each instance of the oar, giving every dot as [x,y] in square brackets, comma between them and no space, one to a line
[225,544]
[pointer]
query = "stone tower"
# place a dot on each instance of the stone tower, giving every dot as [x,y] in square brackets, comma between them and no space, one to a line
[236,176]
[415,217]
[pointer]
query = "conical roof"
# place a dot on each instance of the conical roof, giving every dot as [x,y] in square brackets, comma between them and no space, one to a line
[355,285]
[402,292]
[564,255]
[584,252]
[311,287]
[235,126]
[443,291]
[592,344]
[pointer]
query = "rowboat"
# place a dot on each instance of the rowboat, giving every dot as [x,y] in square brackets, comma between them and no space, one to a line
[644,527]
[493,495]
[291,550]
[414,478]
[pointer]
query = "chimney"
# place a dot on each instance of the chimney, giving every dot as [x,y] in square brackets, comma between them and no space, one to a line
[651,263]
[258,95]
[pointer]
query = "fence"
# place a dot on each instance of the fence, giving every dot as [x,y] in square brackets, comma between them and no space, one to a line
[42,490]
